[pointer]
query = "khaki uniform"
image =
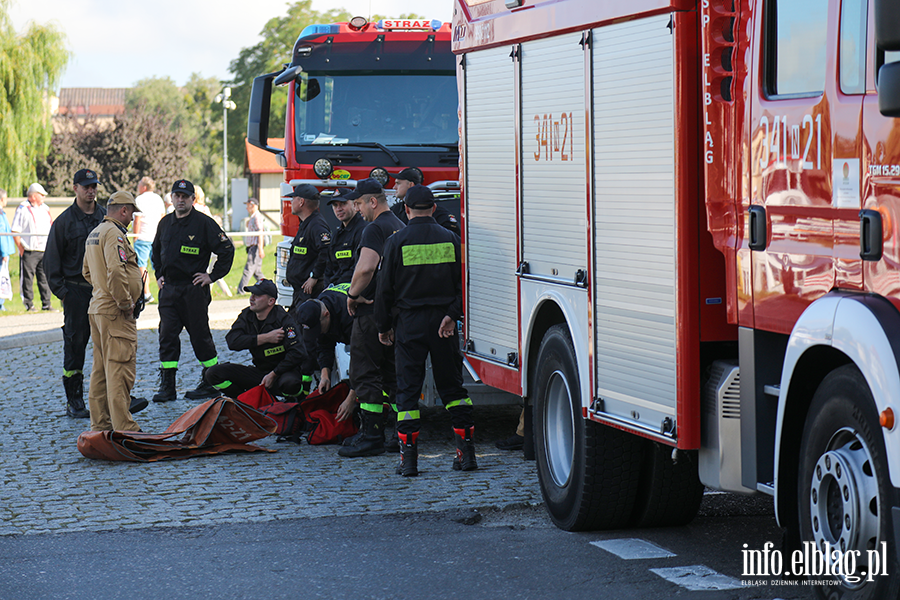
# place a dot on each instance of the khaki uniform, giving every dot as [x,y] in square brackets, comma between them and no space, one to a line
[110,266]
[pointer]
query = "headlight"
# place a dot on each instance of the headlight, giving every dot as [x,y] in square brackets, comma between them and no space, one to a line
[323,168]
[380,175]
[358,23]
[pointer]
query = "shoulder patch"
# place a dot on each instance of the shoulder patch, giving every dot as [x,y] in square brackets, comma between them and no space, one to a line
[121,241]
[223,237]
[290,333]
[325,237]
[453,218]
[122,256]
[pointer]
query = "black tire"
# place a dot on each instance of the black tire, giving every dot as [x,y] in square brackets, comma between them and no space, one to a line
[844,492]
[588,473]
[670,492]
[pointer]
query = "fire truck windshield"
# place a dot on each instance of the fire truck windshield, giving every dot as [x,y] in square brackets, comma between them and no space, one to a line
[404,108]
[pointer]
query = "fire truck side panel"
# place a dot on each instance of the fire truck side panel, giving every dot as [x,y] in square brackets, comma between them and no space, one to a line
[491,211]
[634,232]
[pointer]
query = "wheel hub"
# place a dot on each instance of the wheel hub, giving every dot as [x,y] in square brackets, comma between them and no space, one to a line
[560,439]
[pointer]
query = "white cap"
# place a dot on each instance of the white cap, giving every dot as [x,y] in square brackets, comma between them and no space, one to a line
[36,187]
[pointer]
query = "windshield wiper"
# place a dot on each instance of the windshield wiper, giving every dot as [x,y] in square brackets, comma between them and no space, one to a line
[374,145]
[448,145]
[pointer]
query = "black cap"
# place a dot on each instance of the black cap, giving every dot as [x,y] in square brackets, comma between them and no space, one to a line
[183,186]
[304,190]
[366,186]
[264,287]
[419,196]
[86,177]
[410,174]
[340,195]
[309,314]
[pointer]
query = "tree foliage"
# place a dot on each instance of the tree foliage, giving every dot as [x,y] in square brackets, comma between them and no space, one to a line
[31,65]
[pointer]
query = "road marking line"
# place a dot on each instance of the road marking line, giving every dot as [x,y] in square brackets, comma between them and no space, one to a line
[633,549]
[697,578]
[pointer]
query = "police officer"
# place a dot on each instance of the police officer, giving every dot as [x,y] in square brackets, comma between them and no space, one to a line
[63,262]
[421,284]
[270,334]
[309,250]
[184,241]
[404,180]
[344,240]
[371,363]
[110,266]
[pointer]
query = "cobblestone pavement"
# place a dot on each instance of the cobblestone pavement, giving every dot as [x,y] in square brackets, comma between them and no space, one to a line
[47,486]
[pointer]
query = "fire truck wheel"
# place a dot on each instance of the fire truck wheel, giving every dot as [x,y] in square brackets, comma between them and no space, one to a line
[670,492]
[588,473]
[844,493]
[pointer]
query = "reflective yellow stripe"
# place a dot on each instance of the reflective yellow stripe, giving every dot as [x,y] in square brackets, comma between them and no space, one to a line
[428,254]
[343,288]
[407,415]
[465,401]
[372,408]
[170,364]
[222,386]
[210,363]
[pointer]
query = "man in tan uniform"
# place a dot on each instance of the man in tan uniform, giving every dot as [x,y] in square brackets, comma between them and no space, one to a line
[110,266]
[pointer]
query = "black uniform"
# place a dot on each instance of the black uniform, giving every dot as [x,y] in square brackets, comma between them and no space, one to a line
[420,283]
[309,254]
[371,362]
[339,331]
[444,217]
[182,247]
[63,262]
[342,253]
[284,358]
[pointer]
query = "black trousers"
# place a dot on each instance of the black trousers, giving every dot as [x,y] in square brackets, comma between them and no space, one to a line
[233,380]
[300,296]
[76,327]
[371,364]
[185,307]
[415,337]
[31,265]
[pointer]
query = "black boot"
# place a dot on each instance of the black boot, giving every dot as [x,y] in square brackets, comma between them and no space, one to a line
[465,450]
[409,454]
[74,387]
[371,442]
[391,442]
[166,391]
[137,405]
[203,390]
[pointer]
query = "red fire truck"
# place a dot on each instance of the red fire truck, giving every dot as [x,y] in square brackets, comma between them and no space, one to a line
[365,99]
[682,227]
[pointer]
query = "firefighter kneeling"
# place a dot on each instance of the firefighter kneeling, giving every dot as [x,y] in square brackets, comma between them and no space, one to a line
[421,278]
[270,334]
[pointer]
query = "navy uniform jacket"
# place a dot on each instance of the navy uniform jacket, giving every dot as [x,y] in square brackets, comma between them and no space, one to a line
[335,300]
[342,252]
[64,256]
[183,246]
[421,268]
[444,217]
[309,251]
[282,357]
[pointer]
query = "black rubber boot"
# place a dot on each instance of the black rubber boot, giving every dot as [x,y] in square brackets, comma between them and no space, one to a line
[137,405]
[203,390]
[391,442]
[371,442]
[166,391]
[409,454]
[74,387]
[465,450]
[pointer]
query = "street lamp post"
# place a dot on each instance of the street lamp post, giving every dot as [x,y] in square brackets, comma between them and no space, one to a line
[225,99]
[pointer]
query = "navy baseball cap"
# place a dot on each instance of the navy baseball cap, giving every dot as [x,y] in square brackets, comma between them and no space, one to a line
[304,190]
[410,174]
[340,195]
[309,314]
[86,177]
[183,186]
[264,287]
[419,196]
[366,186]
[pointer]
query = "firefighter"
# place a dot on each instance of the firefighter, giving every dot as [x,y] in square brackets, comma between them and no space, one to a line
[273,339]
[418,303]
[63,263]
[404,180]
[371,363]
[110,266]
[184,241]
[344,240]
[309,250]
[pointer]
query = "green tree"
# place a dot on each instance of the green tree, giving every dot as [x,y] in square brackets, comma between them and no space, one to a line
[31,65]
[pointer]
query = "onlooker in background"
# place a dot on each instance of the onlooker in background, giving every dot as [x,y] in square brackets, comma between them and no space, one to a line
[33,217]
[184,242]
[110,265]
[63,263]
[200,201]
[151,209]
[254,245]
[200,206]
[344,240]
[7,246]
[167,200]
